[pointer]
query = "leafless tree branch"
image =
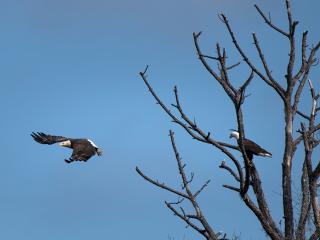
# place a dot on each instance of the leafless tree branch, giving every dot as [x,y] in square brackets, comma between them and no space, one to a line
[224,166]
[270,82]
[305,204]
[161,185]
[207,231]
[303,57]
[202,188]
[312,181]
[191,127]
[231,188]
[187,220]
[269,22]
[303,115]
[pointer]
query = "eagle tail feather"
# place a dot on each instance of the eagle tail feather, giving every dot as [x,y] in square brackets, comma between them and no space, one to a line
[99,151]
[266,154]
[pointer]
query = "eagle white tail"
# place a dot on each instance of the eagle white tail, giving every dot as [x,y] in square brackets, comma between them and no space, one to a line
[99,151]
[265,154]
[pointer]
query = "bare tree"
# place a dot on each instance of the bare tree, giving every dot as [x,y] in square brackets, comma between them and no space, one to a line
[243,171]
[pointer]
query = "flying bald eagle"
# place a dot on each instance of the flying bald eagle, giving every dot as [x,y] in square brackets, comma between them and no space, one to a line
[83,149]
[251,147]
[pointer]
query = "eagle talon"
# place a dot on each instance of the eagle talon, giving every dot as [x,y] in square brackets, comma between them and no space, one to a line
[70,160]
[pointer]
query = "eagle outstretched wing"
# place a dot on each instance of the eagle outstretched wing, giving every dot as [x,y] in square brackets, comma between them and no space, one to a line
[47,139]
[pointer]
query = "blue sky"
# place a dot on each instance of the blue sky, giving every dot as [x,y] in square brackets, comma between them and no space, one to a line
[71,68]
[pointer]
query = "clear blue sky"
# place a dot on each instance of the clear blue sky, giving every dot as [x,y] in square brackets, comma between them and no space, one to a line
[70,67]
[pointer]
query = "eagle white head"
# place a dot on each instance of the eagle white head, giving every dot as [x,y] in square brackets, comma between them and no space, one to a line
[65,143]
[234,134]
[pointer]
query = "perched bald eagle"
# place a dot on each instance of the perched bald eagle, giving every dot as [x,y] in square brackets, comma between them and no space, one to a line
[83,149]
[251,147]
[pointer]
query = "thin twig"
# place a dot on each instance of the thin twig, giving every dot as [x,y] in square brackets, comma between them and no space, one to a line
[161,185]
[224,166]
[270,82]
[268,21]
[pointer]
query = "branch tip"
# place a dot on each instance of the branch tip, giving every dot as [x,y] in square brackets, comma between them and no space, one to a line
[145,70]
[196,35]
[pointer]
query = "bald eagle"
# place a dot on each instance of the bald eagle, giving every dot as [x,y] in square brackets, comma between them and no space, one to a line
[251,147]
[83,149]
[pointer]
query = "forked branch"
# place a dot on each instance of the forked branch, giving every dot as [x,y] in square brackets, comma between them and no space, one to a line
[192,128]
[201,225]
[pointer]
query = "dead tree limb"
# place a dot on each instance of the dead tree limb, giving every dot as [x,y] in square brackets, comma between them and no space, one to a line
[205,228]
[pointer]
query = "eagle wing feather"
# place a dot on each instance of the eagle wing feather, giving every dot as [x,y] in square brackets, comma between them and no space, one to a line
[255,148]
[43,138]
